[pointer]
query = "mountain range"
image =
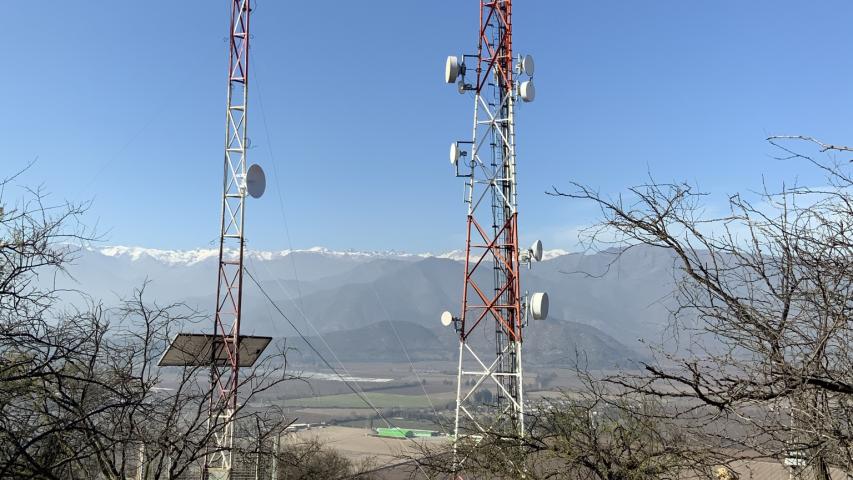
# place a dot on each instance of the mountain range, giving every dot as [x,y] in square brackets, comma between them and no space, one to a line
[385,305]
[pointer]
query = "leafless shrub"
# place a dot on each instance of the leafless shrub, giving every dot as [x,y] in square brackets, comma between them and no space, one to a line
[81,395]
[764,297]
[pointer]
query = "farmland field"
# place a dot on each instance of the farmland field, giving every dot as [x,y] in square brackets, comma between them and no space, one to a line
[378,399]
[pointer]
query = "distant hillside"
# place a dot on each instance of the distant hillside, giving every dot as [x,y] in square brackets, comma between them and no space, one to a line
[375,343]
[570,344]
[552,343]
[624,298]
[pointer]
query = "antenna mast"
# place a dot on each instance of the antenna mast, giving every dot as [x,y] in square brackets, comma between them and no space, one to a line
[226,350]
[491,296]
[225,354]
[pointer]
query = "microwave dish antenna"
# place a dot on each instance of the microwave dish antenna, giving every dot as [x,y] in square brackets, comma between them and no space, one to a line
[527,91]
[256,181]
[454,153]
[536,250]
[527,65]
[451,69]
[539,305]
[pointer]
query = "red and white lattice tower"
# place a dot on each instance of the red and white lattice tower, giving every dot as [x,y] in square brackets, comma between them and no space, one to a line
[225,354]
[492,298]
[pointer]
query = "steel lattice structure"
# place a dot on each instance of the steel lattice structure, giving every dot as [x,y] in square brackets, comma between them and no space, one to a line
[224,376]
[492,297]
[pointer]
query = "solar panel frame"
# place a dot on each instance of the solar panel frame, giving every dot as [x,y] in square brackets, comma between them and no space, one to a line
[194,350]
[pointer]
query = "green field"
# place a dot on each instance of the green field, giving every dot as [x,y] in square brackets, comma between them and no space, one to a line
[406,423]
[351,400]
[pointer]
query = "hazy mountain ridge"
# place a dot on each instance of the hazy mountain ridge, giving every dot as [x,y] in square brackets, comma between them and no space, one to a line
[555,343]
[616,299]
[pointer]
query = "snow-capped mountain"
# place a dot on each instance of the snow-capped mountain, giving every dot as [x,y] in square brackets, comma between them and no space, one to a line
[194,256]
[170,257]
[343,290]
[350,295]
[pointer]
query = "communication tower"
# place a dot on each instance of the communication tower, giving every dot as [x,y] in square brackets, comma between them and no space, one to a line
[492,297]
[226,350]
[237,182]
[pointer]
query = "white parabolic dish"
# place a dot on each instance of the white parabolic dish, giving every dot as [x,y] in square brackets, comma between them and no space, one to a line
[536,250]
[446,319]
[451,69]
[454,153]
[256,181]
[527,91]
[539,305]
[527,65]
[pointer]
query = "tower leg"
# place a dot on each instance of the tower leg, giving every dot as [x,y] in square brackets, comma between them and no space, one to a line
[520,399]
[456,463]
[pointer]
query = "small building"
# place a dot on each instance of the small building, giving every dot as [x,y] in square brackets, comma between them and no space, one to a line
[397,432]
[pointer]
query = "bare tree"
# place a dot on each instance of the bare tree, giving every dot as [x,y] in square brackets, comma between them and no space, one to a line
[155,419]
[589,434]
[81,395]
[37,240]
[763,307]
[310,459]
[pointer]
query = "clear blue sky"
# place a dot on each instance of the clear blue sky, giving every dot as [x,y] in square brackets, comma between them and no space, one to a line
[123,103]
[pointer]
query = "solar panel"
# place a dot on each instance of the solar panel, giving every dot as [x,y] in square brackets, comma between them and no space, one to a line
[194,350]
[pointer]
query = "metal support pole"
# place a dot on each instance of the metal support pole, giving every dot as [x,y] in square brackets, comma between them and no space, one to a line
[275,450]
